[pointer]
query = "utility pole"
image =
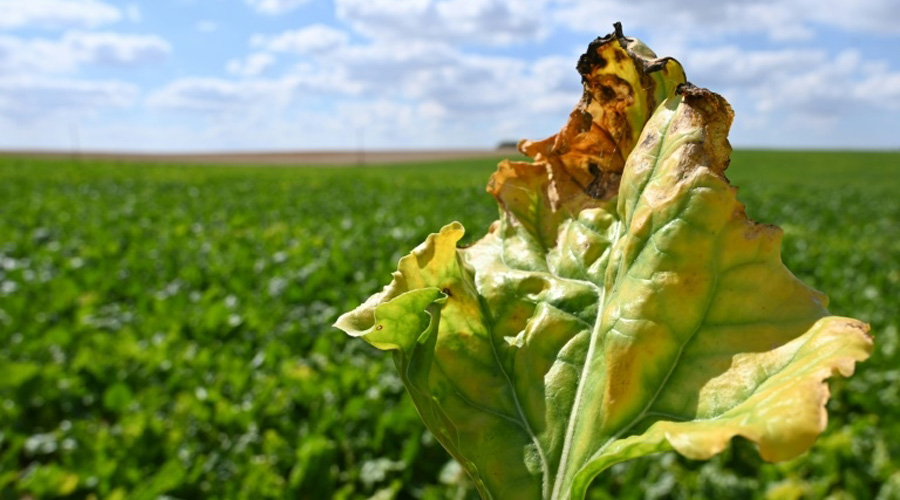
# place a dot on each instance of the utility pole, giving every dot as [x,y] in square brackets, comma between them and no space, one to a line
[360,151]
[75,143]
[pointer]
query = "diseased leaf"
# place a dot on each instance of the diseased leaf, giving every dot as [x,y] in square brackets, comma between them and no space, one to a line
[618,308]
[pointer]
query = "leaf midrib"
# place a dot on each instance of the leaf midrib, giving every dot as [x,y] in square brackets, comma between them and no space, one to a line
[571,423]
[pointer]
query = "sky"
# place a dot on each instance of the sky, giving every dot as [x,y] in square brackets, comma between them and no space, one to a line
[249,75]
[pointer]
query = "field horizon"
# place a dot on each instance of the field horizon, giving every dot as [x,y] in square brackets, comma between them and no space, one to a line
[346,157]
[339,157]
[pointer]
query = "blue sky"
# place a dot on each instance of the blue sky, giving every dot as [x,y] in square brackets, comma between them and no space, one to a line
[201,75]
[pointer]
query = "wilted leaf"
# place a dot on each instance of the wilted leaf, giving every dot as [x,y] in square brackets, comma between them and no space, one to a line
[615,310]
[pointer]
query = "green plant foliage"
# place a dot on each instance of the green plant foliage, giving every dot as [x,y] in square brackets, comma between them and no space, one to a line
[616,310]
[165,330]
[295,250]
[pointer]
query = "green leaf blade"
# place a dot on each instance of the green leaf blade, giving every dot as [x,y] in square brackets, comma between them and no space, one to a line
[433,319]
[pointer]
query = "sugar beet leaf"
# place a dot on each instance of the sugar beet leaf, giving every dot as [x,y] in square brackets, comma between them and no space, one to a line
[623,304]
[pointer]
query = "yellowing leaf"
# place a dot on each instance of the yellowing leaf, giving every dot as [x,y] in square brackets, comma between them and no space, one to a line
[618,308]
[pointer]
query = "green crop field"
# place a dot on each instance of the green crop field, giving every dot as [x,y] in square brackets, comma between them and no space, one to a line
[165,330]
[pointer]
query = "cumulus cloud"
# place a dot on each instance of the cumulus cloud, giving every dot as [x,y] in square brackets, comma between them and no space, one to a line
[871,16]
[730,66]
[794,97]
[458,72]
[777,20]
[385,117]
[44,56]
[495,22]
[117,48]
[687,20]
[460,83]
[275,6]
[26,99]
[313,39]
[56,14]
[472,85]
[410,92]
[390,66]
[504,22]
[799,82]
[252,65]
[74,49]
[421,86]
[221,97]
[556,85]
[880,89]
[214,94]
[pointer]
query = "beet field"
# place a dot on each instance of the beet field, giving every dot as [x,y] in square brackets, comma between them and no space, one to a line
[165,330]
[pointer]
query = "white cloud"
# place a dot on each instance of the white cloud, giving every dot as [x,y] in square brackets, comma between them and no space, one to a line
[454,83]
[880,89]
[56,14]
[20,55]
[495,22]
[556,86]
[380,123]
[311,39]
[425,92]
[214,94]
[381,116]
[730,66]
[426,72]
[869,16]
[387,66]
[410,92]
[26,99]
[265,96]
[253,113]
[798,97]
[473,84]
[252,65]
[117,48]
[273,7]
[44,56]
[845,83]
[678,23]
